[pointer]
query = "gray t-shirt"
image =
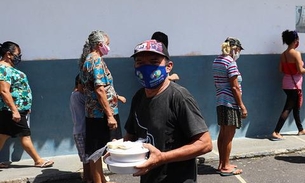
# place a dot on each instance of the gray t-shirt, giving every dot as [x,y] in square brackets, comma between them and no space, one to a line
[167,121]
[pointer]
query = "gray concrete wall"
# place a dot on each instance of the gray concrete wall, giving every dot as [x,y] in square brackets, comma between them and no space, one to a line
[58,29]
[52,82]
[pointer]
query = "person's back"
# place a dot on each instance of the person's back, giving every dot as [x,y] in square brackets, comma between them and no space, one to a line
[163,38]
[77,108]
[291,64]
[289,61]
[225,67]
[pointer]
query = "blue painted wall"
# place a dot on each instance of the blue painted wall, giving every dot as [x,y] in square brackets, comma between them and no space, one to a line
[52,82]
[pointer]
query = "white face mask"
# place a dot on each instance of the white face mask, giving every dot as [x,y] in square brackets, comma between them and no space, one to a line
[235,55]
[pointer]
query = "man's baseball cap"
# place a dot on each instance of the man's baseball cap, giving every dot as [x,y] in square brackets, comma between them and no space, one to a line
[234,42]
[151,46]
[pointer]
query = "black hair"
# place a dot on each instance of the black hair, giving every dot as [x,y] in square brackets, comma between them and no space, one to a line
[289,37]
[8,46]
[160,37]
[77,80]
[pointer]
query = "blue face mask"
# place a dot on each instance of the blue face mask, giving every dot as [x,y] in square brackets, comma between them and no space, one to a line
[151,76]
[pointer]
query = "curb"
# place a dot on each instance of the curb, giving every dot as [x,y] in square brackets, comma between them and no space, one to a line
[254,154]
[200,160]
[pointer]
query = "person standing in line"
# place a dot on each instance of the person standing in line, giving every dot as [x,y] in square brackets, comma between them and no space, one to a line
[15,103]
[77,108]
[230,106]
[163,38]
[101,105]
[291,65]
[167,116]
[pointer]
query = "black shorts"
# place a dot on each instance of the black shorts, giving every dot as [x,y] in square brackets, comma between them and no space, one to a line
[98,133]
[12,128]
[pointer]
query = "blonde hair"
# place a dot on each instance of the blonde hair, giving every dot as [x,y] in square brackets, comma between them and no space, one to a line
[226,48]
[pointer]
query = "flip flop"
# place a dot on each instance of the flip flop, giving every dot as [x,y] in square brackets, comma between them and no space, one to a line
[2,165]
[235,171]
[45,164]
[276,139]
[301,133]
[218,170]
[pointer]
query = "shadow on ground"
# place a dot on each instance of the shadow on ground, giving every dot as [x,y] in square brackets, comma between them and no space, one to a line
[206,169]
[291,159]
[52,175]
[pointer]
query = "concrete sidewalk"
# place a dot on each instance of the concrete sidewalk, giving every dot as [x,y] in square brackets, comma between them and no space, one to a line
[69,167]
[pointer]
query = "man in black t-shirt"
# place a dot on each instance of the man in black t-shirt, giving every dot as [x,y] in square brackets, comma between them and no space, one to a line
[166,115]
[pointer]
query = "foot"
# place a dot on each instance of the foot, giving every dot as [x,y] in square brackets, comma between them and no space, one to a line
[107,180]
[276,135]
[301,132]
[2,165]
[230,167]
[44,164]
[231,172]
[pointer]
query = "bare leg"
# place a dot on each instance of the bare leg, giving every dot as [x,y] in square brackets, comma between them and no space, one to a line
[226,135]
[28,146]
[220,141]
[97,171]
[87,177]
[219,146]
[3,139]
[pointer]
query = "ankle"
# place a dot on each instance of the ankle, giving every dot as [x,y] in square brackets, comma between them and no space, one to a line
[276,133]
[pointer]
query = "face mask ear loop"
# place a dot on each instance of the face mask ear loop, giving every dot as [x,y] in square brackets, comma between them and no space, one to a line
[233,52]
[235,55]
[167,65]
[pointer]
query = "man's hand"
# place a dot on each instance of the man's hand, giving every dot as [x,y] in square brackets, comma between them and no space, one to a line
[155,159]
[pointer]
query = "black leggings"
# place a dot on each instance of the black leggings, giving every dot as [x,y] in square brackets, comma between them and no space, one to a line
[291,104]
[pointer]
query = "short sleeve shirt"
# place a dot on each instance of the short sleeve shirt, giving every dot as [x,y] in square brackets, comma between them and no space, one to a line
[167,121]
[224,67]
[19,88]
[96,73]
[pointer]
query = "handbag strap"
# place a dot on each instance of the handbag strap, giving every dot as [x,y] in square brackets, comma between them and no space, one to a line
[290,71]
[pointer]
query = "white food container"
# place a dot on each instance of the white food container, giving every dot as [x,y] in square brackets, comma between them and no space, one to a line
[122,168]
[135,154]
